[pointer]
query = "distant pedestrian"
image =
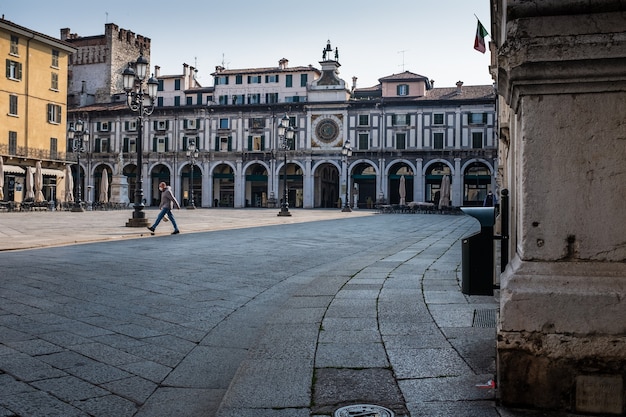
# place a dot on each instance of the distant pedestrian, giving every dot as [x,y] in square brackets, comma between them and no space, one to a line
[168,202]
[490,200]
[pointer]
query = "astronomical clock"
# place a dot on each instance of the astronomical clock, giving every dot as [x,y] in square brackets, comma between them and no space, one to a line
[327,130]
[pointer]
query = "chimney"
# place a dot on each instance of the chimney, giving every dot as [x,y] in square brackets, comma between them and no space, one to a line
[459,84]
[157,71]
[282,64]
[354,83]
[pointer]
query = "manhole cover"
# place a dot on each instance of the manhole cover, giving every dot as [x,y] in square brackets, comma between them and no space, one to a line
[364,410]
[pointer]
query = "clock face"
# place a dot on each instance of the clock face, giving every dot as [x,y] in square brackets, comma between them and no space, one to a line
[327,130]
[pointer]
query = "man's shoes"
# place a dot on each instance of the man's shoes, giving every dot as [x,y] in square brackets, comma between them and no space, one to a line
[175,232]
[151,229]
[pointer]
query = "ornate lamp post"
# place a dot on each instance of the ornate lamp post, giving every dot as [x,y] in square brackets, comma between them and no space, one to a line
[192,154]
[285,133]
[79,137]
[141,102]
[346,152]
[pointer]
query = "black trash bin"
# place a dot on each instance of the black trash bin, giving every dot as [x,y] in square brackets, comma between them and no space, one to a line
[477,262]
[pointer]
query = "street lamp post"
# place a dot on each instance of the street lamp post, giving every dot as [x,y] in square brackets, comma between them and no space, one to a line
[141,102]
[346,151]
[285,133]
[192,154]
[79,137]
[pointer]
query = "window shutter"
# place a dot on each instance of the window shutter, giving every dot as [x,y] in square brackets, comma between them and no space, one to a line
[249,143]
[198,123]
[230,143]
[155,143]
[98,140]
[98,125]
[167,144]
[126,144]
[19,71]
[185,141]
[398,90]
[155,125]
[8,68]
[184,123]
[485,118]
[262,142]
[393,119]
[217,143]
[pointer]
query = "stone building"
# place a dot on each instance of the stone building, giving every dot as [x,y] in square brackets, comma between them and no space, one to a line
[560,68]
[400,127]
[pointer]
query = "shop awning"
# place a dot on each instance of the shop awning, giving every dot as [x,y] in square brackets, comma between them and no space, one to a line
[52,172]
[13,169]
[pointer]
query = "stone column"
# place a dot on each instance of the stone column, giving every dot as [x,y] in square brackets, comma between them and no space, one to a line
[561,68]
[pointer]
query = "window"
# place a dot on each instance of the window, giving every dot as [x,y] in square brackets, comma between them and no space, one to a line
[271,78]
[159,101]
[223,100]
[188,101]
[223,124]
[177,101]
[364,119]
[130,126]
[12,143]
[161,145]
[477,118]
[271,98]
[223,144]
[400,140]
[221,80]
[103,126]
[289,80]
[14,70]
[191,123]
[254,79]
[303,79]
[438,140]
[400,119]
[364,141]
[13,105]
[438,118]
[160,87]
[54,84]
[255,143]
[477,140]
[55,59]
[54,113]
[102,145]
[53,148]
[15,41]
[402,90]
[238,79]
[239,99]
[161,125]
[130,145]
[254,98]
[177,84]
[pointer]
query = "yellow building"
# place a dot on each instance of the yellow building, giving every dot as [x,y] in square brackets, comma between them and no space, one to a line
[33,105]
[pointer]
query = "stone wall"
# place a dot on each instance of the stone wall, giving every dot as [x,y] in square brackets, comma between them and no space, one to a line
[560,67]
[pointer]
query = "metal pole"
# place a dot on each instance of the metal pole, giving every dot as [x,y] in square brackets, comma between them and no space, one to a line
[504,224]
[346,206]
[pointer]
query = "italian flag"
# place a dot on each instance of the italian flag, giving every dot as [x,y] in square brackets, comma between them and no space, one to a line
[479,42]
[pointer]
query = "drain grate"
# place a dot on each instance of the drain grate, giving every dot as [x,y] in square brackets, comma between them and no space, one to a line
[364,410]
[484,318]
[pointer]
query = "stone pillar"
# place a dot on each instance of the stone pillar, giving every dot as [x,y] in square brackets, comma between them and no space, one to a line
[560,66]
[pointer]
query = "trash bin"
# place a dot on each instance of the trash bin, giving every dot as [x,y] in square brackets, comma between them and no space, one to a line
[477,262]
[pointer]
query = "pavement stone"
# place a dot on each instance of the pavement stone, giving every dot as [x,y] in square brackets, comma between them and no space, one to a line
[390,328]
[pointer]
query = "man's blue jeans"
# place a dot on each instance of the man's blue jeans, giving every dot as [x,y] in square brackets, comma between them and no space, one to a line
[162,214]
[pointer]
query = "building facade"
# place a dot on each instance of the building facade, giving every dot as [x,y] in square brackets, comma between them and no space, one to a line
[33,105]
[401,127]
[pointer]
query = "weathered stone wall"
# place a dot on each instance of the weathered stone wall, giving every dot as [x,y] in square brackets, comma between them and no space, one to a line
[560,67]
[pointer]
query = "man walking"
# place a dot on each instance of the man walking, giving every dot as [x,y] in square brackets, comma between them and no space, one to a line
[168,202]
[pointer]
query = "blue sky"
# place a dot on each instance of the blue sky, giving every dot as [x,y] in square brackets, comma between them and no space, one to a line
[375,38]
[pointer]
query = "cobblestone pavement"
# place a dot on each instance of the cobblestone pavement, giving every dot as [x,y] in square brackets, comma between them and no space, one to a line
[242,314]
